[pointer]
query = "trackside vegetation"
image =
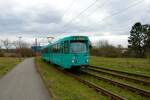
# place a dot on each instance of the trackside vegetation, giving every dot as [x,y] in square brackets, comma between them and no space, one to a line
[128,95]
[132,65]
[7,63]
[64,87]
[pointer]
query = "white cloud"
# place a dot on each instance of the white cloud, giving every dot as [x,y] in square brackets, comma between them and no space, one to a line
[42,18]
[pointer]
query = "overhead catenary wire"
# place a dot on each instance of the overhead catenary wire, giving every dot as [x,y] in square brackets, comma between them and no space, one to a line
[118,12]
[98,7]
[68,8]
[80,13]
[105,18]
[121,11]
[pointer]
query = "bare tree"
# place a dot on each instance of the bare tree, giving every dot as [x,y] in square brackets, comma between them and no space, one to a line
[0,46]
[1,53]
[102,43]
[6,43]
[20,44]
[103,48]
[22,48]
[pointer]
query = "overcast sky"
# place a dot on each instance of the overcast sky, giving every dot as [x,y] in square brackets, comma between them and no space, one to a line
[99,19]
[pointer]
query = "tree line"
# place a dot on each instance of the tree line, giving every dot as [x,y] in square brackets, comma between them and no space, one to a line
[105,49]
[15,48]
[139,44]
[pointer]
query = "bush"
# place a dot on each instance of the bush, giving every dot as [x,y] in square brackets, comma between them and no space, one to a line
[1,54]
[26,52]
[106,50]
[147,54]
[10,54]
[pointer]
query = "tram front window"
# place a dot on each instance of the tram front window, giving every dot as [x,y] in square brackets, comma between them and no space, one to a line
[78,47]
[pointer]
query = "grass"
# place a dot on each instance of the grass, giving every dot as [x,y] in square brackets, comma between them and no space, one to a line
[132,65]
[128,95]
[65,87]
[6,64]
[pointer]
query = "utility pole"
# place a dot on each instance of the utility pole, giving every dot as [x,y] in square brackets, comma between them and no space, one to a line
[35,46]
[19,47]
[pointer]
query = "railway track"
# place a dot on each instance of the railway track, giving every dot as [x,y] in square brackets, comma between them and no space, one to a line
[123,85]
[124,75]
[103,91]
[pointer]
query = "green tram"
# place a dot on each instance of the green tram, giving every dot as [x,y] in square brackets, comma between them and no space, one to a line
[69,53]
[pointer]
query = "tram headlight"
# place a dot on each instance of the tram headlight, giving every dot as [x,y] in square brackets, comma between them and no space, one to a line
[73,60]
[87,60]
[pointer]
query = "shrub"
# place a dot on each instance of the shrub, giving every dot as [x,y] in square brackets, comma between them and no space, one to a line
[1,54]
[103,48]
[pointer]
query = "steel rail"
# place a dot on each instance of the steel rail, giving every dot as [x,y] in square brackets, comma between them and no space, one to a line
[121,76]
[123,85]
[111,95]
[121,72]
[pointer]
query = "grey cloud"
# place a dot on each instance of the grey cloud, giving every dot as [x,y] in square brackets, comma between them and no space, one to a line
[32,20]
[49,16]
[11,22]
[49,20]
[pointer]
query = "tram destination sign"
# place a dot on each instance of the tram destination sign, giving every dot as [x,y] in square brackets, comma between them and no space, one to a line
[80,38]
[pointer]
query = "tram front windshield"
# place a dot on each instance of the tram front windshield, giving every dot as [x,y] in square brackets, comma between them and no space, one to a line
[78,47]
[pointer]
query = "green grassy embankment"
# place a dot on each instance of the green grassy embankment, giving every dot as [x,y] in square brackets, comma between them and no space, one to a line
[64,87]
[6,64]
[132,65]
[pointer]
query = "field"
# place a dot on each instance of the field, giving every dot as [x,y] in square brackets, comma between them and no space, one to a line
[6,64]
[132,65]
[65,87]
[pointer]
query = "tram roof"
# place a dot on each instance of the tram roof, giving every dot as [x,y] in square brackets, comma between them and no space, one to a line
[67,38]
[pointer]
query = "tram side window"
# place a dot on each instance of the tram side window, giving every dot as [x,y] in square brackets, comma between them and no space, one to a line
[56,48]
[66,47]
[53,49]
[42,51]
[62,47]
[45,50]
[50,49]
